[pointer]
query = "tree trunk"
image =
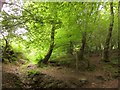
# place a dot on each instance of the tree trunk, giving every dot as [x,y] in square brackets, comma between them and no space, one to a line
[47,56]
[77,63]
[5,48]
[82,49]
[107,43]
[6,45]
[119,29]
[70,48]
[111,46]
[119,26]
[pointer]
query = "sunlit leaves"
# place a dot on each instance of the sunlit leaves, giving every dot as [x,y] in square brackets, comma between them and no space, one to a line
[70,19]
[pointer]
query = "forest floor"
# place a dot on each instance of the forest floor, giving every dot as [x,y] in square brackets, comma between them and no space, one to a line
[58,76]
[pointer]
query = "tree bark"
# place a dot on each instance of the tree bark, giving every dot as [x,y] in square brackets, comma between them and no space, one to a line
[70,48]
[47,56]
[119,29]
[82,49]
[76,57]
[107,42]
[119,26]
[6,45]
[111,45]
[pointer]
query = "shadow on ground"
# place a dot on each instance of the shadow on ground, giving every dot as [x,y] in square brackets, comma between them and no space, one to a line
[10,80]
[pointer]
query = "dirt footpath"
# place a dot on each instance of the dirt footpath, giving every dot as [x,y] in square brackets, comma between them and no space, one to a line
[16,76]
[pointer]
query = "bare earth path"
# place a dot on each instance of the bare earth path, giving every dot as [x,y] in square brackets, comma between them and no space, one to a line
[96,79]
[70,75]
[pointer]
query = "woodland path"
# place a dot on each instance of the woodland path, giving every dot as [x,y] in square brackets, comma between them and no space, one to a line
[96,79]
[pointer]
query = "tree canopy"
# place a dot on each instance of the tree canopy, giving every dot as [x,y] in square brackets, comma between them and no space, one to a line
[28,28]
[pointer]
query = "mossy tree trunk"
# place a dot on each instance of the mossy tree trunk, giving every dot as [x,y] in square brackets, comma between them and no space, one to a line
[119,25]
[70,48]
[49,53]
[4,54]
[82,49]
[107,42]
[119,29]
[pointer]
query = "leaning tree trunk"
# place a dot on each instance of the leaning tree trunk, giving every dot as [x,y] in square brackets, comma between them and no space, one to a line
[6,45]
[82,49]
[47,56]
[107,43]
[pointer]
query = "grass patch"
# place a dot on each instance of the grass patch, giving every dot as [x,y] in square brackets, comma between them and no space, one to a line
[114,60]
[91,68]
[42,65]
[32,72]
[113,70]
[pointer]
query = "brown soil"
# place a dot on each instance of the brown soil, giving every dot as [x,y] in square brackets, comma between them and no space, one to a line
[99,78]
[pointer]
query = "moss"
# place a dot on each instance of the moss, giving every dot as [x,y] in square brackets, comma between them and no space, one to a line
[91,68]
[42,65]
[32,73]
[113,70]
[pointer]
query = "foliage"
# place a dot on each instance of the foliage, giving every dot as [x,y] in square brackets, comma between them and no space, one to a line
[32,72]
[71,19]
